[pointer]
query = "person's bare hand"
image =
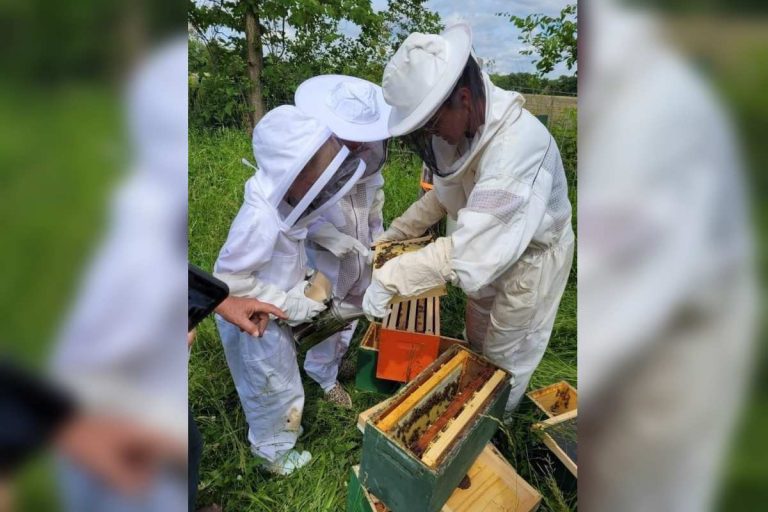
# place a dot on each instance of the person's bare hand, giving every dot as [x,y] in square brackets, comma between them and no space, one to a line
[125,455]
[250,315]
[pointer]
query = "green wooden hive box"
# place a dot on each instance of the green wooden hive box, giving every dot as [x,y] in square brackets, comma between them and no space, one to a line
[417,450]
[358,499]
[367,359]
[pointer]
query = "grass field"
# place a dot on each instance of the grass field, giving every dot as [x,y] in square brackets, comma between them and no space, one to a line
[229,474]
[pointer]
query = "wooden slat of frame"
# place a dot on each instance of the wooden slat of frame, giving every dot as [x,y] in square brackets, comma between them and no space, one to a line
[429,327]
[391,320]
[437,316]
[420,445]
[557,419]
[388,421]
[364,416]
[412,312]
[385,320]
[421,315]
[441,444]
[560,454]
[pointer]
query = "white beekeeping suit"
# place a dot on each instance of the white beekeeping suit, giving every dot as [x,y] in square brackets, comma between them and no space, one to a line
[505,186]
[302,169]
[340,240]
[123,349]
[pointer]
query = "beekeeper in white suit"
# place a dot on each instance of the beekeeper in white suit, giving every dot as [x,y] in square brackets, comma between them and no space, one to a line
[302,170]
[498,172]
[340,239]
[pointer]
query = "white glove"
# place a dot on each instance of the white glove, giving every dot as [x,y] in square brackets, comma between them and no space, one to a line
[376,300]
[297,306]
[339,244]
[301,308]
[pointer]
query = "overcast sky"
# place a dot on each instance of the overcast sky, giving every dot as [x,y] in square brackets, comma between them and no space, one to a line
[495,37]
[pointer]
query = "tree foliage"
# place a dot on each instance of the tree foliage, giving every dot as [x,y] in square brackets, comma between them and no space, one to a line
[299,39]
[535,83]
[552,39]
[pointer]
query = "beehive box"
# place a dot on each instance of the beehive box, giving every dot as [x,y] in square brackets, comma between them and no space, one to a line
[492,485]
[385,251]
[560,435]
[409,339]
[367,360]
[556,399]
[419,447]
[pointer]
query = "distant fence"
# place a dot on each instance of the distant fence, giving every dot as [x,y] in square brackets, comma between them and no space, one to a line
[554,108]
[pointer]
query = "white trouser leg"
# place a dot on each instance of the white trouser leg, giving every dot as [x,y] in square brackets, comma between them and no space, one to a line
[523,313]
[322,360]
[267,379]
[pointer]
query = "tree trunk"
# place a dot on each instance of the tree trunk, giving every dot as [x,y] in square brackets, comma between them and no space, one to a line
[255,63]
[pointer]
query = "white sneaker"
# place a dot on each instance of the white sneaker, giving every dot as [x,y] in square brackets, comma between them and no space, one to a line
[289,462]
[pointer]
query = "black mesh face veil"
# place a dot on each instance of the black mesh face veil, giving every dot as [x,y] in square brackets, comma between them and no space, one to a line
[374,154]
[328,175]
[343,179]
[428,141]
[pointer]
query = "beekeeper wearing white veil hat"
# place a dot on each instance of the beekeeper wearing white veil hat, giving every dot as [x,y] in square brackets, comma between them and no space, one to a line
[498,173]
[355,111]
[302,170]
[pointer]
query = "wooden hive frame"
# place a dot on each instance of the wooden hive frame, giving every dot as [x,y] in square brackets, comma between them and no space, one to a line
[548,429]
[409,419]
[555,399]
[415,315]
[385,251]
[371,337]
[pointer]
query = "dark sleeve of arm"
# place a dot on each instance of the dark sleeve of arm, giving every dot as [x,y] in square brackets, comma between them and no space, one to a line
[31,410]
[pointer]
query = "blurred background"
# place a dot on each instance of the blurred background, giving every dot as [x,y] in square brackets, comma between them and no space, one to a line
[672,224]
[76,180]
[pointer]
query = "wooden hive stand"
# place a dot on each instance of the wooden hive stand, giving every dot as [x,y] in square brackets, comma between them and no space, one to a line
[491,485]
